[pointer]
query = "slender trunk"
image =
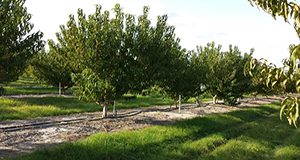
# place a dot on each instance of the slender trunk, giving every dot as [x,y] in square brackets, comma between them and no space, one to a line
[59,88]
[114,109]
[215,99]
[198,102]
[104,112]
[179,103]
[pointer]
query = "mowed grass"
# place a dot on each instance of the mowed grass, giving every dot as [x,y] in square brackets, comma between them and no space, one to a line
[16,90]
[249,134]
[25,108]
[28,85]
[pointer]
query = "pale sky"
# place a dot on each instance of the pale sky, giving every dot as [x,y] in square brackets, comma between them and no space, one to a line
[197,22]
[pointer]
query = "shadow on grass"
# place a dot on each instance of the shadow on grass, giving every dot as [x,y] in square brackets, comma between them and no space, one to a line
[220,136]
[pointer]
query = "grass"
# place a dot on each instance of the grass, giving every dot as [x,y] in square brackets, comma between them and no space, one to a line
[16,90]
[52,106]
[27,85]
[255,133]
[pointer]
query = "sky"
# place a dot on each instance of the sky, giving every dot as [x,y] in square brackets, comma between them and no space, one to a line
[197,22]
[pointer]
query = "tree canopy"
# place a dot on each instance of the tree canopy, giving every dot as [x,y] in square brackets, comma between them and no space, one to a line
[118,53]
[53,68]
[17,41]
[224,72]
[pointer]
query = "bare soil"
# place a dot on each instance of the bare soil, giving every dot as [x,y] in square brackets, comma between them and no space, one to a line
[17,142]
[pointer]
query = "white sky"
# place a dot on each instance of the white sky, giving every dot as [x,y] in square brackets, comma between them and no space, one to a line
[197,22]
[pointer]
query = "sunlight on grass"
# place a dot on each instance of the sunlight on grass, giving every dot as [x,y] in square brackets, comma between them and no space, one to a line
[14,109]
[290,152]
[203,145]
[238,149]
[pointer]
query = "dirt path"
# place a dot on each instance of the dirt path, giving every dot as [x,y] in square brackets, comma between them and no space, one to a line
[49,132]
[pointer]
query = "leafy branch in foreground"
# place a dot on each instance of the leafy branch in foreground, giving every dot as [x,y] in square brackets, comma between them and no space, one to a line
[289,11]
[268,79]
[290,108]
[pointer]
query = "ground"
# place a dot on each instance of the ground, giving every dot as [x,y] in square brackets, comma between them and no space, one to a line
[23,136]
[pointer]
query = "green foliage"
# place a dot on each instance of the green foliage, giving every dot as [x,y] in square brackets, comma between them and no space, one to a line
[154,91]
[117,54]
[199,70]
[92,87]
[266,79]
[17,41]
[52,68]
[181,81]
[277,81]
[298,85]
[224,72]
[295,55]
[289,11]
[97,51]
[290,108]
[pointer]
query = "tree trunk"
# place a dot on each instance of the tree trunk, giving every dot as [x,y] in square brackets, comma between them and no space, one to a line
[59,88]
[104,112]
[114,109]
[179,103]
[215,99]
[199,103]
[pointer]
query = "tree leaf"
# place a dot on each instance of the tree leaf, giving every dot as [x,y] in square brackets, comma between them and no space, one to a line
[295,55]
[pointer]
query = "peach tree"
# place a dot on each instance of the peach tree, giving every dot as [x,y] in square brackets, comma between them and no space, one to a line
[113,54]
